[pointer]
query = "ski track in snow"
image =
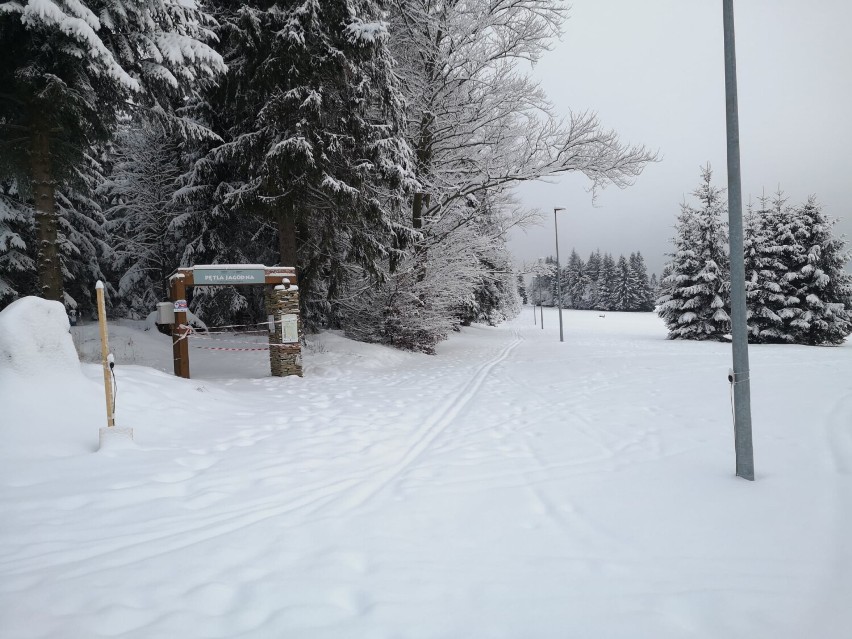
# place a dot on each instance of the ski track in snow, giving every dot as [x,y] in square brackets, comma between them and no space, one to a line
[431,429]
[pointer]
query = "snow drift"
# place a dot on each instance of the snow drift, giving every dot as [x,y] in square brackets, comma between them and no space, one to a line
[35,339]
[40,371]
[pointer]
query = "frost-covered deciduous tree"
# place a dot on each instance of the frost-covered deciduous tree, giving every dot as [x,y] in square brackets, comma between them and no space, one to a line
[695,293]
[479,124]
[477,119]
[76,67]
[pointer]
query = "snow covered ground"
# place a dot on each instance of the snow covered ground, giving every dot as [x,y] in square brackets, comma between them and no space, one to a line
[509,487]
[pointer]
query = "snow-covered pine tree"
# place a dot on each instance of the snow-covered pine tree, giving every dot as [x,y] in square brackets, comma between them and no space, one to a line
[816,273]
[77,67]
[763,274]
[643,291]
[140,210]
[694,300]
[17,268]
[655,289]
[607,282]
[623,297]
[574,281]
[664,283]
[312,118]
[84,243]
[591,278]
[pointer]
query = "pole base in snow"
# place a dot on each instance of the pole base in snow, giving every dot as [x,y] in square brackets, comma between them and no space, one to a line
[114,438]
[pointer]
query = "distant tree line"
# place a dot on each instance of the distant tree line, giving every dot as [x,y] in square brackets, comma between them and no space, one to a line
[797,290]
[600,283]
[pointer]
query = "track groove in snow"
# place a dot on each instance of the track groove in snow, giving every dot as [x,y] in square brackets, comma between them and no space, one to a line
[431,428]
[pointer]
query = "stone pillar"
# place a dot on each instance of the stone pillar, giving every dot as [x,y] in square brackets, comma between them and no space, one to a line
[284,359]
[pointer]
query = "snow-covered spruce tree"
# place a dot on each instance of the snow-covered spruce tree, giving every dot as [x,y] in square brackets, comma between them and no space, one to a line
[815,276]
[655,289]
[643,290]
[140,211]
[210,233]
[591,279]
[624,294]
[664,283]
[84,243]
[77,66]
[764,271]
[694,300]
[573,286]
[17,268]
[607,279]
[312,119]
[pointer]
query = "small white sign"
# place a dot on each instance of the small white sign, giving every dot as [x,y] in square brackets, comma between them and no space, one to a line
[289,329]
[181,306]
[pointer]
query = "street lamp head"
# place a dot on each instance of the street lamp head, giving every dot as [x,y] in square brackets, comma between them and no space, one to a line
[559,208]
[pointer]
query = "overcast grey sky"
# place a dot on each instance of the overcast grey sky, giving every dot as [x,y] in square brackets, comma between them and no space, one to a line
[653,70]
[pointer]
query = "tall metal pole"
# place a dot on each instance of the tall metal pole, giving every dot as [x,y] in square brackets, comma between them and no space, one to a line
[558,273]
[540,305]
[532,297]
[739,332]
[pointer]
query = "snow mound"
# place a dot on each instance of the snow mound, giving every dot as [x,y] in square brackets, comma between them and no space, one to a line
[35,338]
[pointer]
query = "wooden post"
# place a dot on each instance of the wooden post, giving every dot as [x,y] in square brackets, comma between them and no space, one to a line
[99,288]
[180,347]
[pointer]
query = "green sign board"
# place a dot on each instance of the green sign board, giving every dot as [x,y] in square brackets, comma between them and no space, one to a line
[227,276]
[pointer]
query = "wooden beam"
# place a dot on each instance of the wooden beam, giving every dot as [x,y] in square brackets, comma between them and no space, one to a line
[180,344]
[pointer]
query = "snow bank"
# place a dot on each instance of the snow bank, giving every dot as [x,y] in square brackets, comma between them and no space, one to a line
[48,407]
[35,339]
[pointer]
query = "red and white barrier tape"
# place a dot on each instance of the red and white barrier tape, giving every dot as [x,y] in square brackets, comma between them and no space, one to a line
[225,348]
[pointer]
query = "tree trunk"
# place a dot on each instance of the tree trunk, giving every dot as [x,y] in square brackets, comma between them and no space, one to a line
[417,211]
[287,239]
[47,219]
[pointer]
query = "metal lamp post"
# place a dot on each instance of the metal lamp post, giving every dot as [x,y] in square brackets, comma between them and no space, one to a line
[540,305]
[558,278]
[739,331]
